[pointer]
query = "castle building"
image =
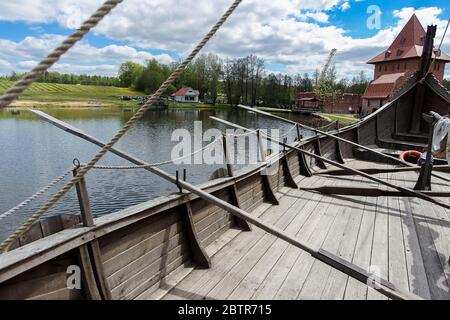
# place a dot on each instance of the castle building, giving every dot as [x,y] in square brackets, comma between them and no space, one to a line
[398,62]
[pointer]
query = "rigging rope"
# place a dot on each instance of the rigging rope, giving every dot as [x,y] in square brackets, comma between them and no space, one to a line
[20,86]
[35,196]
[155,97]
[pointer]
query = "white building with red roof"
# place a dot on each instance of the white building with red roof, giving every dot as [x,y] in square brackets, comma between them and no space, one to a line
[398,62]
[186,94]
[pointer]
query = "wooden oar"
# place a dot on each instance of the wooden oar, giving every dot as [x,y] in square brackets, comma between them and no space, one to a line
[404,163]
[410,192]
[369,192]
[383,286]
[339,172]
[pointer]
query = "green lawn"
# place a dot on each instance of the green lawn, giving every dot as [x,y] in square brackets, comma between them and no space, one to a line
[53,94]
[344,119]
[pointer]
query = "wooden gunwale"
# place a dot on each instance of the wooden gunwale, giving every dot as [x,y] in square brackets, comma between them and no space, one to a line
[24,258]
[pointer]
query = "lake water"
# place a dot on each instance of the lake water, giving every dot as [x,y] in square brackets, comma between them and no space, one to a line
[33,153]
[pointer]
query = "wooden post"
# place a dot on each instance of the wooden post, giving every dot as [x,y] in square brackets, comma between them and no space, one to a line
[243,224]
[288,178]
[299,135]
[90,287]
[339,156]
[318,151]
[304,167]
[424,181]
[269,195]
[89,254]
[83,200]
[199,254]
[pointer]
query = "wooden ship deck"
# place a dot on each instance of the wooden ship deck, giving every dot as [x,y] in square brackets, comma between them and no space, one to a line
[406,239]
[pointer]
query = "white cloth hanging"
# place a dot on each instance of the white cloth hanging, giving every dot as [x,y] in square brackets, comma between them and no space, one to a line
[441,130]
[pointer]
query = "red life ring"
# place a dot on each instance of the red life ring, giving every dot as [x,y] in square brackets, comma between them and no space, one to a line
[410,153]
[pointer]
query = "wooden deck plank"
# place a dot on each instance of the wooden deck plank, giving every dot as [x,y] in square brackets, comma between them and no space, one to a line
[317,228]
[417,278]
[432,263]
[379,262]
[337,281]
[356,290]
[235,276]
[197,285]
[398,270]
[320,272]
[264,266]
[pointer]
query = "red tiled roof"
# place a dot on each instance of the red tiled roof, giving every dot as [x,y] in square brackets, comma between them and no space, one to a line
[382,87]
[183,91]
[408,44]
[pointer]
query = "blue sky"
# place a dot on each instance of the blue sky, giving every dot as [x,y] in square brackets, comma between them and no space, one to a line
[293,36]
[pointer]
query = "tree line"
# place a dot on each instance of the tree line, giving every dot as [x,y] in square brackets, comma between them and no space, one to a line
[64,78]
[242,80]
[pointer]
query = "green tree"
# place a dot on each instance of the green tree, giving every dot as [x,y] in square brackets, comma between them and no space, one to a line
[129,72]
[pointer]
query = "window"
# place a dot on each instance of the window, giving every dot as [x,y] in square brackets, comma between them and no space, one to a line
[385,68]
[398,66]
[379,68]
[406,66]
[399,52]
[438,66]
[402,40]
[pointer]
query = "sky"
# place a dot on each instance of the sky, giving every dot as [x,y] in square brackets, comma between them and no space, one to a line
[292,36]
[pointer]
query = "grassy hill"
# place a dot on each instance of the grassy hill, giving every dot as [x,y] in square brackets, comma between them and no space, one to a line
[71,95]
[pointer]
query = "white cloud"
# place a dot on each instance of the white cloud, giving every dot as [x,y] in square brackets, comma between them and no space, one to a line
[83,58]
[345,6]
[282,32]
[318,16]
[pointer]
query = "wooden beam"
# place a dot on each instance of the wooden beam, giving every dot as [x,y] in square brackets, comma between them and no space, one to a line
[339,156]
[443,168]
[269,194]
[369,192]
[304,168]
[244,225]
[288,178]
[318,151]
[93,248]
[397,160]
[241,223]
[199,254]
[83,200]
[394,294]
[410,192]
[88,278]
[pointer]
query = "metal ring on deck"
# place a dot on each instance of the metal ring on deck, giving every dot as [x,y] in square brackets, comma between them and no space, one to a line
[76,163]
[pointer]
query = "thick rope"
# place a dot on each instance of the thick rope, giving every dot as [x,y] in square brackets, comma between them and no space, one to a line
[155,97]
[19,87]
[35,196]
[154,165]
